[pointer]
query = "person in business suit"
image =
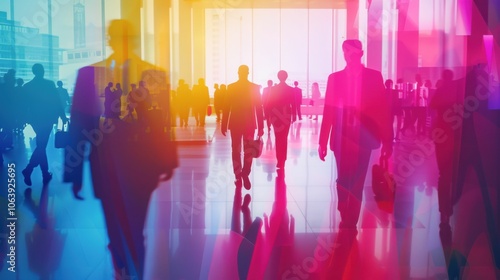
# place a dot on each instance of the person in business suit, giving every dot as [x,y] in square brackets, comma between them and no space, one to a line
[356,119]
[265,98]
[127,162]
[112,101]
[446,147]
[63,95]
[298,100]
[44,110]
[184,98]
[201,100]
[281,105]
[218,101]
[243,107]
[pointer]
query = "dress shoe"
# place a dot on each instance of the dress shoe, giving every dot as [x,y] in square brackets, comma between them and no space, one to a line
[76,189]
[246,182]
[27,176]
[46,178]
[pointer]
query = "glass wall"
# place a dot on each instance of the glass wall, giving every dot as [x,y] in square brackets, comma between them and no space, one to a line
[65,35]
[303,42]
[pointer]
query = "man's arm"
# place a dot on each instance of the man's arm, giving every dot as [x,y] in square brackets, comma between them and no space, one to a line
[328,118]
[226,110]
[259,111]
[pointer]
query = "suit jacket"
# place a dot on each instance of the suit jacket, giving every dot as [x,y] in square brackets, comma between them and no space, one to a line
[372,116]
[281,104]
[201,97]
[243,107]
[114,143]
[43,101]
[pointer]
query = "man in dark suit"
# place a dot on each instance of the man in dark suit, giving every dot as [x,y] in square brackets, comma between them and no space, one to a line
[44,109]
[243,107]
[201,100]
[356,119]
[281,107]
[298,101]
[127,162]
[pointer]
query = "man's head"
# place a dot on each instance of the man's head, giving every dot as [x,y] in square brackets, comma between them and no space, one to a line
[118,85]
[122,37]
[418,79]
[243,72]
[134,86]
[388,83]
[10,77]
[353,51]
[19,82]
[295,83]
[110,84]
[59,83]
[269,83]
[38,70]
[447,75]
[142,84]
[216,86]
[201,81]
[282,75]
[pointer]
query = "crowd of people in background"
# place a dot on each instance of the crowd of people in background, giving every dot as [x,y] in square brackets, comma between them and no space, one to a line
[242,108]
[409,104]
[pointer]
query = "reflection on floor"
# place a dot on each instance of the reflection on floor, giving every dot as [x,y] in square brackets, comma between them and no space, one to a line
[286,227]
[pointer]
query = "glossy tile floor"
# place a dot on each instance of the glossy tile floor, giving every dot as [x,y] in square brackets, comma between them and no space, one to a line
[201,227]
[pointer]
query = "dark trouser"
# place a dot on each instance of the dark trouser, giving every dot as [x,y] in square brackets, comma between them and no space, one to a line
[199,115]
[267,117]
[298,112]
[444,158]
[236,138]
[421,115]
[39,156]
[184,116]
[352,165]
[202,113]
[470,157]
[281,136]
[218,112]
[83,130]
[409,121]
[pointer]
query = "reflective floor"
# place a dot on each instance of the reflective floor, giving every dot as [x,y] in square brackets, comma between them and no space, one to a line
[200,226]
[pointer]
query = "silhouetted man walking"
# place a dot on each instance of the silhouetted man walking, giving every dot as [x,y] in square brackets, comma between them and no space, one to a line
[356,119]
[243,106]
[44,109]
[298,101]
[281,106]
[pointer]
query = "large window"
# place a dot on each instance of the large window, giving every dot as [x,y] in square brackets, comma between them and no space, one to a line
[303,42]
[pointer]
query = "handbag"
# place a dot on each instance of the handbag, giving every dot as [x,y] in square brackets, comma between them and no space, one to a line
[61,138]
[209,110]
[256,147]
[383,183]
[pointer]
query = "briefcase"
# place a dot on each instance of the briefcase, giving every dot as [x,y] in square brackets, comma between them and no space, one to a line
[256,147]
[383,183]
[61,138]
